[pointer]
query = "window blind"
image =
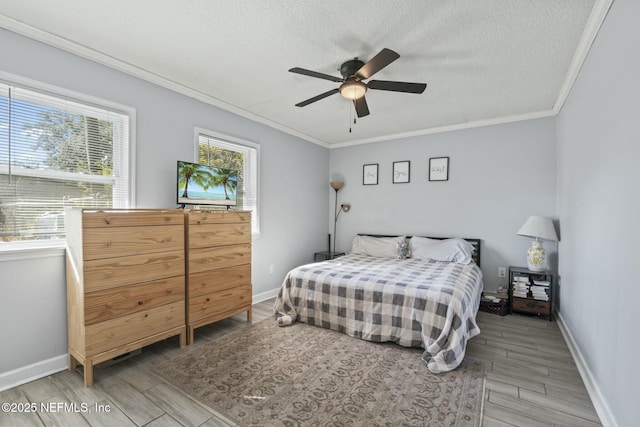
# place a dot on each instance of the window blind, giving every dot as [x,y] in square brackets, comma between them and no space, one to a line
[248,155]
[57,152]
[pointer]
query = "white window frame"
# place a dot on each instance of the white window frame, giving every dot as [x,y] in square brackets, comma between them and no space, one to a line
[32,248]
[242,145]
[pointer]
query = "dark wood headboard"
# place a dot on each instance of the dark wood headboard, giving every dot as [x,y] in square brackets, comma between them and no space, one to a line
[474,242]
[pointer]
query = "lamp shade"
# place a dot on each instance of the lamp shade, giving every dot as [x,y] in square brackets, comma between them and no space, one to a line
[336,185]
[353,89]
[539,227]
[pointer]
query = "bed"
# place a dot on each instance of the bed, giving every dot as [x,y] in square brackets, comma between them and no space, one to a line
[426,300]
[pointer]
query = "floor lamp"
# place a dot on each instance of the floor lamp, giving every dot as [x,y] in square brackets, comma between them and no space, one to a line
[337,185]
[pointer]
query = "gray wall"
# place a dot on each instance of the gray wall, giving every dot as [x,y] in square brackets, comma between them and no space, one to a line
[498,177]
[599,209]
[33,308]
[294,177]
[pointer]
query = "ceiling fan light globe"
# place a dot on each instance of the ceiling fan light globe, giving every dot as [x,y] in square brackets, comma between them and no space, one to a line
[353,89]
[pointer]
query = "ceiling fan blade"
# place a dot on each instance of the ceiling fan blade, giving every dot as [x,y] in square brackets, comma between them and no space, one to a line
[317,98]
[397,86]
[377,63]
[316,74]
[361,107]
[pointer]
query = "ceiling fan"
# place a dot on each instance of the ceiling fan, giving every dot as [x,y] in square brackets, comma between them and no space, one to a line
[353,88]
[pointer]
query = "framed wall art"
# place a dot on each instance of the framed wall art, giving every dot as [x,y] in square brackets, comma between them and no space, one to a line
[370,174]
[439,169]
[401,172]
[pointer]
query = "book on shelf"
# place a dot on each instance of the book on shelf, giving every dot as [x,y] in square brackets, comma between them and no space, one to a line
[545,283]
[540,293]
[520,285]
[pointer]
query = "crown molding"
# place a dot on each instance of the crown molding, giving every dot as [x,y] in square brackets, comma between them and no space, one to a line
[594,23]
[598,14]
[135,71]
[449,128]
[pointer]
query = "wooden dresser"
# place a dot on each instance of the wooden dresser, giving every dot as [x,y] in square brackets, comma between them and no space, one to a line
[218,251]
[125,282]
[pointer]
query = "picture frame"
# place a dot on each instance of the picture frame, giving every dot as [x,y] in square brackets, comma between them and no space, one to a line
[439,169]
[401,172]
[370,174]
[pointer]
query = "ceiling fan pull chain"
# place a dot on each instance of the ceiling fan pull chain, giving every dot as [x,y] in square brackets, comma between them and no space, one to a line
[350,115]
[355,116]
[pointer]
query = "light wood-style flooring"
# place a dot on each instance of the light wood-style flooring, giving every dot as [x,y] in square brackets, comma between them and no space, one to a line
[531,381]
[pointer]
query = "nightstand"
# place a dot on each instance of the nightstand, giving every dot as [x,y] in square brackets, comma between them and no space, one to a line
[531,292]
[325,255]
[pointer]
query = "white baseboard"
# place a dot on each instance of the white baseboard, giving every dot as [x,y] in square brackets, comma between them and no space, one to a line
[33,372]
[47,367]
[599,402]
[266,295]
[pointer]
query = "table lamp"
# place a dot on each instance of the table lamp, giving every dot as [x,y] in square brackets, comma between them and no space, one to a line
[540,228]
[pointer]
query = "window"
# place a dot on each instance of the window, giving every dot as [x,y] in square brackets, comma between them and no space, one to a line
[57,151]
[223,151]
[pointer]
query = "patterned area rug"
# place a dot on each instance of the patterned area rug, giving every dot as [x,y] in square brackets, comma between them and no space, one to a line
[303,375]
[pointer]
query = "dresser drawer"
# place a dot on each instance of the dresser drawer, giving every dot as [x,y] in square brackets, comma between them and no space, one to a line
[131,218]
[217,280]
[531,306]
[114,272]
[204,259]
[115,302]
[219,303]
[218,217]
[99,243]
[209,235]
[112,333]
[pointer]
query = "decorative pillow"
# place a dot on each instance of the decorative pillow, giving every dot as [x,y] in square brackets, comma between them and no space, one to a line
[403,250]
[450,250]
[386,247]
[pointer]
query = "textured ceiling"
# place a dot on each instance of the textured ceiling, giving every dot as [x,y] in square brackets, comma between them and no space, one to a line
[485,62]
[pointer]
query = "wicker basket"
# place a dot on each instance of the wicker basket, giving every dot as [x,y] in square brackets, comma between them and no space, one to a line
[501,308]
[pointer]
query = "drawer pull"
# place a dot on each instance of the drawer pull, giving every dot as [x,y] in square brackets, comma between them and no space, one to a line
[208,299]
[169,291]
[107,220]
[146,315]
[140,303]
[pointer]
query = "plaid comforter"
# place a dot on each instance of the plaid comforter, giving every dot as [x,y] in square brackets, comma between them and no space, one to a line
[412,302]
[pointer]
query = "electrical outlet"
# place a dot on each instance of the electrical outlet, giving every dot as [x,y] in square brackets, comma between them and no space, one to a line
[502,272]
[271,269]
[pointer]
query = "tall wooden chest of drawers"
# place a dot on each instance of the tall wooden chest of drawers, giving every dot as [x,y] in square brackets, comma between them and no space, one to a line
[218,251]
[125,282]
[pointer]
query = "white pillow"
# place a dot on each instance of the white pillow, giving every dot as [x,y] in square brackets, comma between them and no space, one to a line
[422,241]
[386,247]
[450,250]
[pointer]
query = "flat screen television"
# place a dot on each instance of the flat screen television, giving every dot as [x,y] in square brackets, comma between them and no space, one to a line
[206,185]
